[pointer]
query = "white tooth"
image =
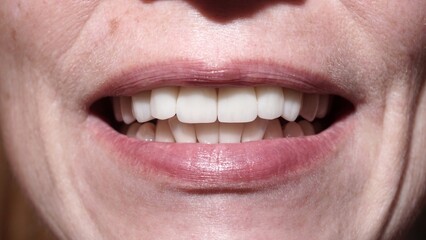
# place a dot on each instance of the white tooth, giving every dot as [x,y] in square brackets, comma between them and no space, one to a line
[117,109]
[197,105]
[230,132]
[324,104]
[273,130]
[237,105]
[126,109]
[292,104]
[292,129]
[146,132]
[255,130]
[270,102]
[182,132]
[207,133]
[307,127]
[141,106]
[310,106]
[163,132]
[163,102]
[132,130]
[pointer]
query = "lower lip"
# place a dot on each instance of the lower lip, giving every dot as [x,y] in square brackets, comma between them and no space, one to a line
[242,165]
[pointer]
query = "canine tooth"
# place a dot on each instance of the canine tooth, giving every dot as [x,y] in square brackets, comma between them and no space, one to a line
[292,129]
[207,133]
[324,105]
[230,132]
[310,106]
[117,109]
[163,132]
[270,102]
[273,130]
[141,106]
[182,132]
[292,104]
[237,105]
[197,105]
[146,132]
[255,130]
[132,130]
[163,102]
[126,109]
[307,127]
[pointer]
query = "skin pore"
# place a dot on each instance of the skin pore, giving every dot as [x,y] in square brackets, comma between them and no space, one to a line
[57,59]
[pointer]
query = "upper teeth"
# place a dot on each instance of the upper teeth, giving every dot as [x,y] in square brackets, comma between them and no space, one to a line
[185,106]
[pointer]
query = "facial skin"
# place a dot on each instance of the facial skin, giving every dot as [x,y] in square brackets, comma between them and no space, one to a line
[55,56]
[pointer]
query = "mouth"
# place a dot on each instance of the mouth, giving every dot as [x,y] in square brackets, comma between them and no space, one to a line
[208,128]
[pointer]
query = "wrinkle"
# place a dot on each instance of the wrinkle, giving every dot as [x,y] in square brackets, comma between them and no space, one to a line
[359,17]
[85,19]
[62,56]
[417,88]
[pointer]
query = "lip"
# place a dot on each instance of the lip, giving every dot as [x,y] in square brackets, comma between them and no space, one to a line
[235,73]
[220,166]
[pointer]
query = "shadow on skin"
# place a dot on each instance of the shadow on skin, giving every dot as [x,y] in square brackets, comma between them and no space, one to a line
[224,11]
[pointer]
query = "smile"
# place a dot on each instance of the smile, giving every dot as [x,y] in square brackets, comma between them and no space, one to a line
[218,131]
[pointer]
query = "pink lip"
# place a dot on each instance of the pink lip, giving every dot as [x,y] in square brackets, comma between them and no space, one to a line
[244,165]
[247,73]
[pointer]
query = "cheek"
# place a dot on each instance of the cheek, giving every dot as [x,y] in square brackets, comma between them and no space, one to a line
[396,26]
[39,37]
[416,169]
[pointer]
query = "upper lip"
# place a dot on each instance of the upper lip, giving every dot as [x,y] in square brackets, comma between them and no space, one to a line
[242,165]
[127,82]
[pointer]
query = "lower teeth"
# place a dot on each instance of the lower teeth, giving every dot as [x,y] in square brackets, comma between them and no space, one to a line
[174,131]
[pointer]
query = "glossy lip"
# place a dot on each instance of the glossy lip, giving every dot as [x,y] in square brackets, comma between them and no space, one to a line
[220,166]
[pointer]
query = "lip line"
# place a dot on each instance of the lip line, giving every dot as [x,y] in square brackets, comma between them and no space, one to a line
[197,73]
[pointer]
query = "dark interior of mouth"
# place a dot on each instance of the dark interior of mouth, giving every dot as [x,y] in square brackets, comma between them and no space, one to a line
[339,109]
